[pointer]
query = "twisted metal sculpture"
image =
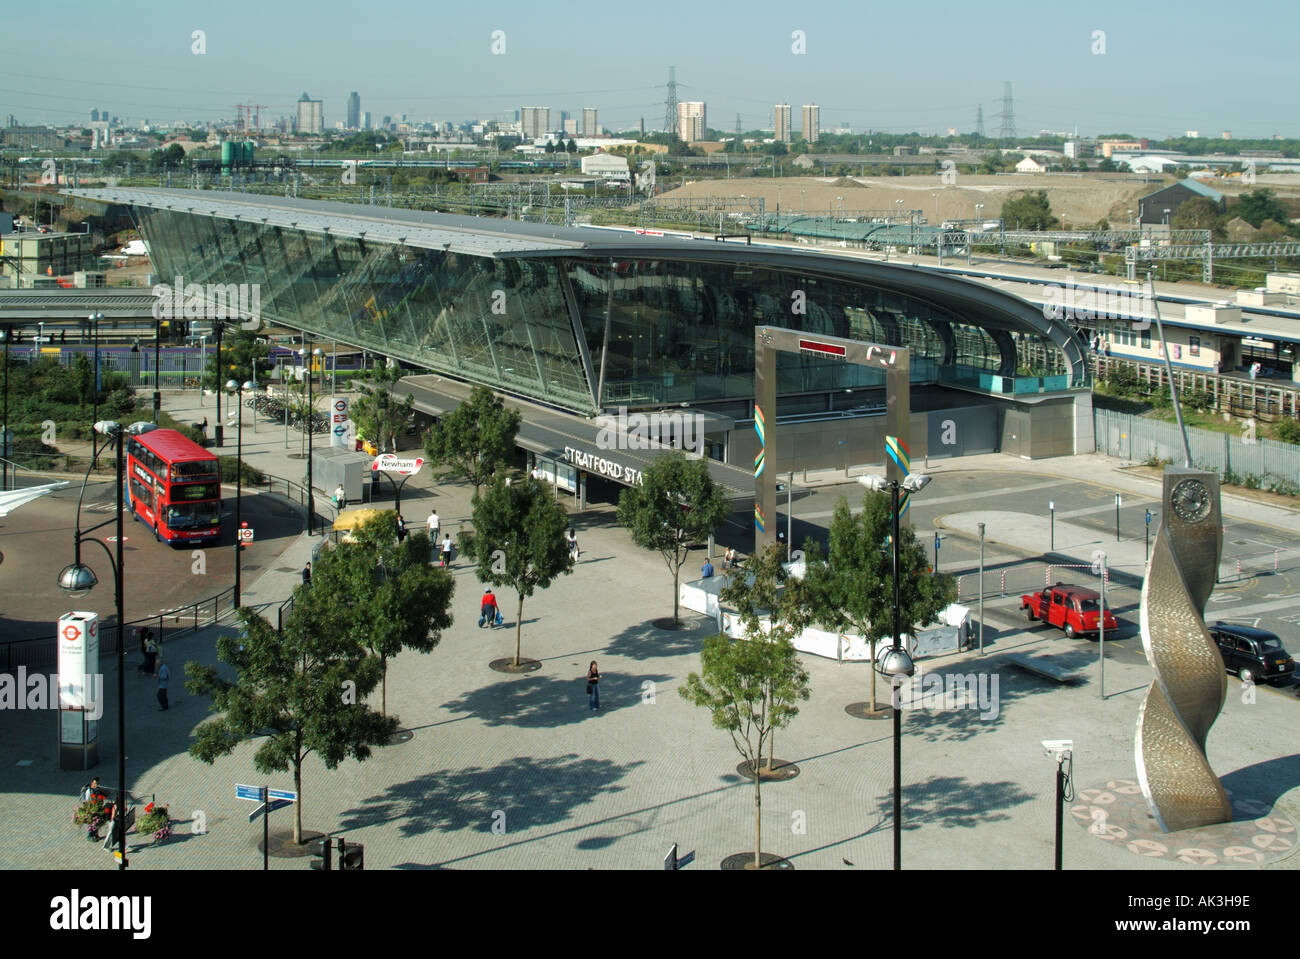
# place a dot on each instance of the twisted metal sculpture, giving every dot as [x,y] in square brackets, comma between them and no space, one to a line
[1190,683]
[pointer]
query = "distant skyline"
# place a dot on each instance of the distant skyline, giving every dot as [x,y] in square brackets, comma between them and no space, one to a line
[925,68]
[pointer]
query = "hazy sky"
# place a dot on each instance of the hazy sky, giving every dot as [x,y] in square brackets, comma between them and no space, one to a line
[897,67]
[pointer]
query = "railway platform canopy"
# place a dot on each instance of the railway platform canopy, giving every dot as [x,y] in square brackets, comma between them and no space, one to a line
[578,318]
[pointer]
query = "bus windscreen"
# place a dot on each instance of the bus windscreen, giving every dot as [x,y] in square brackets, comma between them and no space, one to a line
[187,472]
[193,515]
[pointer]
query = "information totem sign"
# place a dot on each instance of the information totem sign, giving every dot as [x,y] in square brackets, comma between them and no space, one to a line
[81,690]
[341,428]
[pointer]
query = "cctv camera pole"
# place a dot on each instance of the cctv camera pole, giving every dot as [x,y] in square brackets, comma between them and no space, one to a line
[1060,807]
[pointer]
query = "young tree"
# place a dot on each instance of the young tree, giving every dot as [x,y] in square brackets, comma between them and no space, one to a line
[676,504]
[1029,210]
[1257,206]
[474,440]
[1198,213]
[301,691]
[750,686]
[379,415]
[852,589]
[240,349]
[764,589]
[381,592]
[518,541]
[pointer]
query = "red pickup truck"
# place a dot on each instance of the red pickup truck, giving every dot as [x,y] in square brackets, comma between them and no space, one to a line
[1074,609]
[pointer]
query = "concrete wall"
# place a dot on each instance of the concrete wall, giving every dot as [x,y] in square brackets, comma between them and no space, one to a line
[963,431]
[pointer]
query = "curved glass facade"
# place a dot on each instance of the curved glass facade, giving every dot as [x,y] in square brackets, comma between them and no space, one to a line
[569,327]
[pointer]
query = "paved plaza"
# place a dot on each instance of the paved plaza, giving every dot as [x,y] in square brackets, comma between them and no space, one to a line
[516,772]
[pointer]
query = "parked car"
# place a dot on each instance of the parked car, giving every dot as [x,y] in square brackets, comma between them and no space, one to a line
[1253,654]
[1075,609]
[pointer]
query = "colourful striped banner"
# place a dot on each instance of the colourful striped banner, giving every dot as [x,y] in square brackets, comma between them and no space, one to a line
[902,457]
[761,429]
[899,453]
[759,519]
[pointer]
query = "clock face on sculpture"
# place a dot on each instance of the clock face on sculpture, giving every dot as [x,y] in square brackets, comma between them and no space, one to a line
[1190,499]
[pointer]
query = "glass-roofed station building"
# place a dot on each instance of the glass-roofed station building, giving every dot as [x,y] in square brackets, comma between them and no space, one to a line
[580,322]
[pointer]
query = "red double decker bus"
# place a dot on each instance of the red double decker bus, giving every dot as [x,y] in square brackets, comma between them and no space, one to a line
[174,485]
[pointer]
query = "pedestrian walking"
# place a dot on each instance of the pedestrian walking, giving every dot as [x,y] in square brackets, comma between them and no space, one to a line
[572,540]
[340,499]
[150,654]
[163,674]
[401,528]
[593,688]
[446,550]
[433,523]
[90,791]
[729,558]
[487,610]
[306,575]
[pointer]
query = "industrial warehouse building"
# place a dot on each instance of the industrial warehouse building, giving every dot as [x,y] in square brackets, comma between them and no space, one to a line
[584,322]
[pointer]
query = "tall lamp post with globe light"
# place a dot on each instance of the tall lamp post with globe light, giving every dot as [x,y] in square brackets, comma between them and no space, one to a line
[93,321]
[78,580]
[896,663]
[236,390]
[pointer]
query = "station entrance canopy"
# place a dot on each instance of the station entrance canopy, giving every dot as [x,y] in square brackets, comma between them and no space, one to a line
[586,320]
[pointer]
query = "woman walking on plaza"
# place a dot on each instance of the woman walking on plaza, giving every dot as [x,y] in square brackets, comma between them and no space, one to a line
[593,690]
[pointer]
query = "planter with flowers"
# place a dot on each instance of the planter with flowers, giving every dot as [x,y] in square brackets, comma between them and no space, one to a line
[156,821]
[93,814]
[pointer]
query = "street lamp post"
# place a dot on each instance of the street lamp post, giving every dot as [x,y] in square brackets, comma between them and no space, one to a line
[1118,503]
[93,320]
[218,431]
[4,426]
[1051,508]
[157,375]
[311,408]
[896,663]
[1148,536]
[237,390]
[1101,631]
[981,525]
[77,580]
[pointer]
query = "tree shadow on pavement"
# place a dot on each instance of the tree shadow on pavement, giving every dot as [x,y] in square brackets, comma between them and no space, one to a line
[517,794]
[951,802]
[534,700]
[939,715]
[646,641]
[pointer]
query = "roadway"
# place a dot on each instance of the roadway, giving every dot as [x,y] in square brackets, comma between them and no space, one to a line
[38,542]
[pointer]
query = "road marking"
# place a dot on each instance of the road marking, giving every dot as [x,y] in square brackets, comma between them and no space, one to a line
[1225,598]
[940,500]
